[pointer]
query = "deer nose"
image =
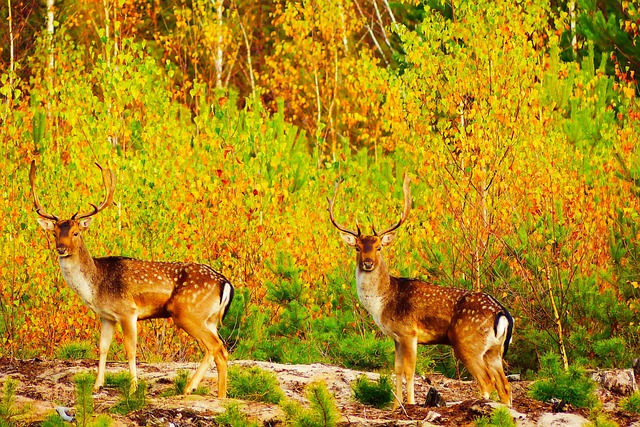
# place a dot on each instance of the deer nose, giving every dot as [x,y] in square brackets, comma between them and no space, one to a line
[367,264]
[61,249]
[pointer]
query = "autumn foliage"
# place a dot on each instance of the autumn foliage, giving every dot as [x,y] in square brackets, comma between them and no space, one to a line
[524,166]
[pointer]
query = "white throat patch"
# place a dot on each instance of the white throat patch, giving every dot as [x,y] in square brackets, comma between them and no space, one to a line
[77,281]
[370,297]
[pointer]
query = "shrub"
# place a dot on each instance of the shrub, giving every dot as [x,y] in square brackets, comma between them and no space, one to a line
[254,383]
[130,400]
[500,417]
[365,352]
[8,409]
[601,420]
[378,394]
[571,386]
[631,403]
[234,417]
[323,411]
[52,420]
[75,350]
[84,401]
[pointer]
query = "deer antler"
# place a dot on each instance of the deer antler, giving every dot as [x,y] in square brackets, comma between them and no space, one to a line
[407,206]
[109,180]
[36,202]
[333,220]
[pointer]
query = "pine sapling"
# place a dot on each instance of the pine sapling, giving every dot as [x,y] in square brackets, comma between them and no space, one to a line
[378,394]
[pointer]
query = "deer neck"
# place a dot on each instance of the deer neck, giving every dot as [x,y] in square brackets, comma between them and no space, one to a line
[79,271]
[373,288]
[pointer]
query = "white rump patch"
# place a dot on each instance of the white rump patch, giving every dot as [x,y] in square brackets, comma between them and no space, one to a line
[502,328]
[226,295]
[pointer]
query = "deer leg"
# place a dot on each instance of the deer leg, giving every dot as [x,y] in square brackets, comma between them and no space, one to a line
[409,355]
[106,336]
[399,371]
[130,332]
[220,357]
[214,351]
[494,363]
[480,371]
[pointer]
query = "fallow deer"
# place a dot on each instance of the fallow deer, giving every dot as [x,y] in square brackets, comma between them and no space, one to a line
[125,290]
[414,312]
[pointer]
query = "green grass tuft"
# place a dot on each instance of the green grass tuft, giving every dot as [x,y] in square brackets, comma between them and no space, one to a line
[75,350]
[8,408]
[254,383]
[601,420]
[180,385]
[500,417]
[631,403]
[572,386]
[234,417]
[130,400]
[378,394]
[322,411]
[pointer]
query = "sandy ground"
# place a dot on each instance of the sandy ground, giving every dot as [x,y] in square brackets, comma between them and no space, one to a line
[44,385]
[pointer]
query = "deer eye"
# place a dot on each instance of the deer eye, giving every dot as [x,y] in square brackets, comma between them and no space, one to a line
[76,233]
[357,249]
[379,248]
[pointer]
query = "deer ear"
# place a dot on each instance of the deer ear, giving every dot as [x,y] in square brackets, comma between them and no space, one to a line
[85,223]
[47,224]
[387,239]
[349,239]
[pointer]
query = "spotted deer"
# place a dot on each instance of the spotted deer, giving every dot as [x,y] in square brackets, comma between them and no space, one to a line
[414,312]
[125,290]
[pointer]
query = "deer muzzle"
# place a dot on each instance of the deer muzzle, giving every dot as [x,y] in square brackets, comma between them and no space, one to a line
[367,264]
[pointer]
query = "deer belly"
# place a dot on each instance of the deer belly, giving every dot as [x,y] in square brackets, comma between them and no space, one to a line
[152,305]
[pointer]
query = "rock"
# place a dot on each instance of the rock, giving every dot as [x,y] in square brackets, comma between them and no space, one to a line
[64,413]
[620,381]
[513,377]
[433,399]
[558,405]
[561,420]
[432,417]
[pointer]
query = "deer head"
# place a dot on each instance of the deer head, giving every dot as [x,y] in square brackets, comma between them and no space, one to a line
[368,247]
[68,233]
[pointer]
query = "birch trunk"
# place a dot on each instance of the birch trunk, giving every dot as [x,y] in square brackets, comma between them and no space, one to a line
[218,57]
[50,30]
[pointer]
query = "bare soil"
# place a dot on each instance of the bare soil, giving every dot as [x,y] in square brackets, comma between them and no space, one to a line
[44,385]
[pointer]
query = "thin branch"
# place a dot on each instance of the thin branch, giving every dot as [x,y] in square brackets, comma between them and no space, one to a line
[318,100]
[11,44]
[217,59]
[371,33]
[50,30]
[380,22]
[389,11]
[249,63]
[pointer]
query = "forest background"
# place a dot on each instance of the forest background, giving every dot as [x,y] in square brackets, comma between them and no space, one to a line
[228,121]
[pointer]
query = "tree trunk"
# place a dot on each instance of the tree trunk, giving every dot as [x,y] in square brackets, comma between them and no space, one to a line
[50,30]
[218,58]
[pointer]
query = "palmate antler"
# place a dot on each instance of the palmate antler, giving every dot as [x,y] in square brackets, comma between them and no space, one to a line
[108,178]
